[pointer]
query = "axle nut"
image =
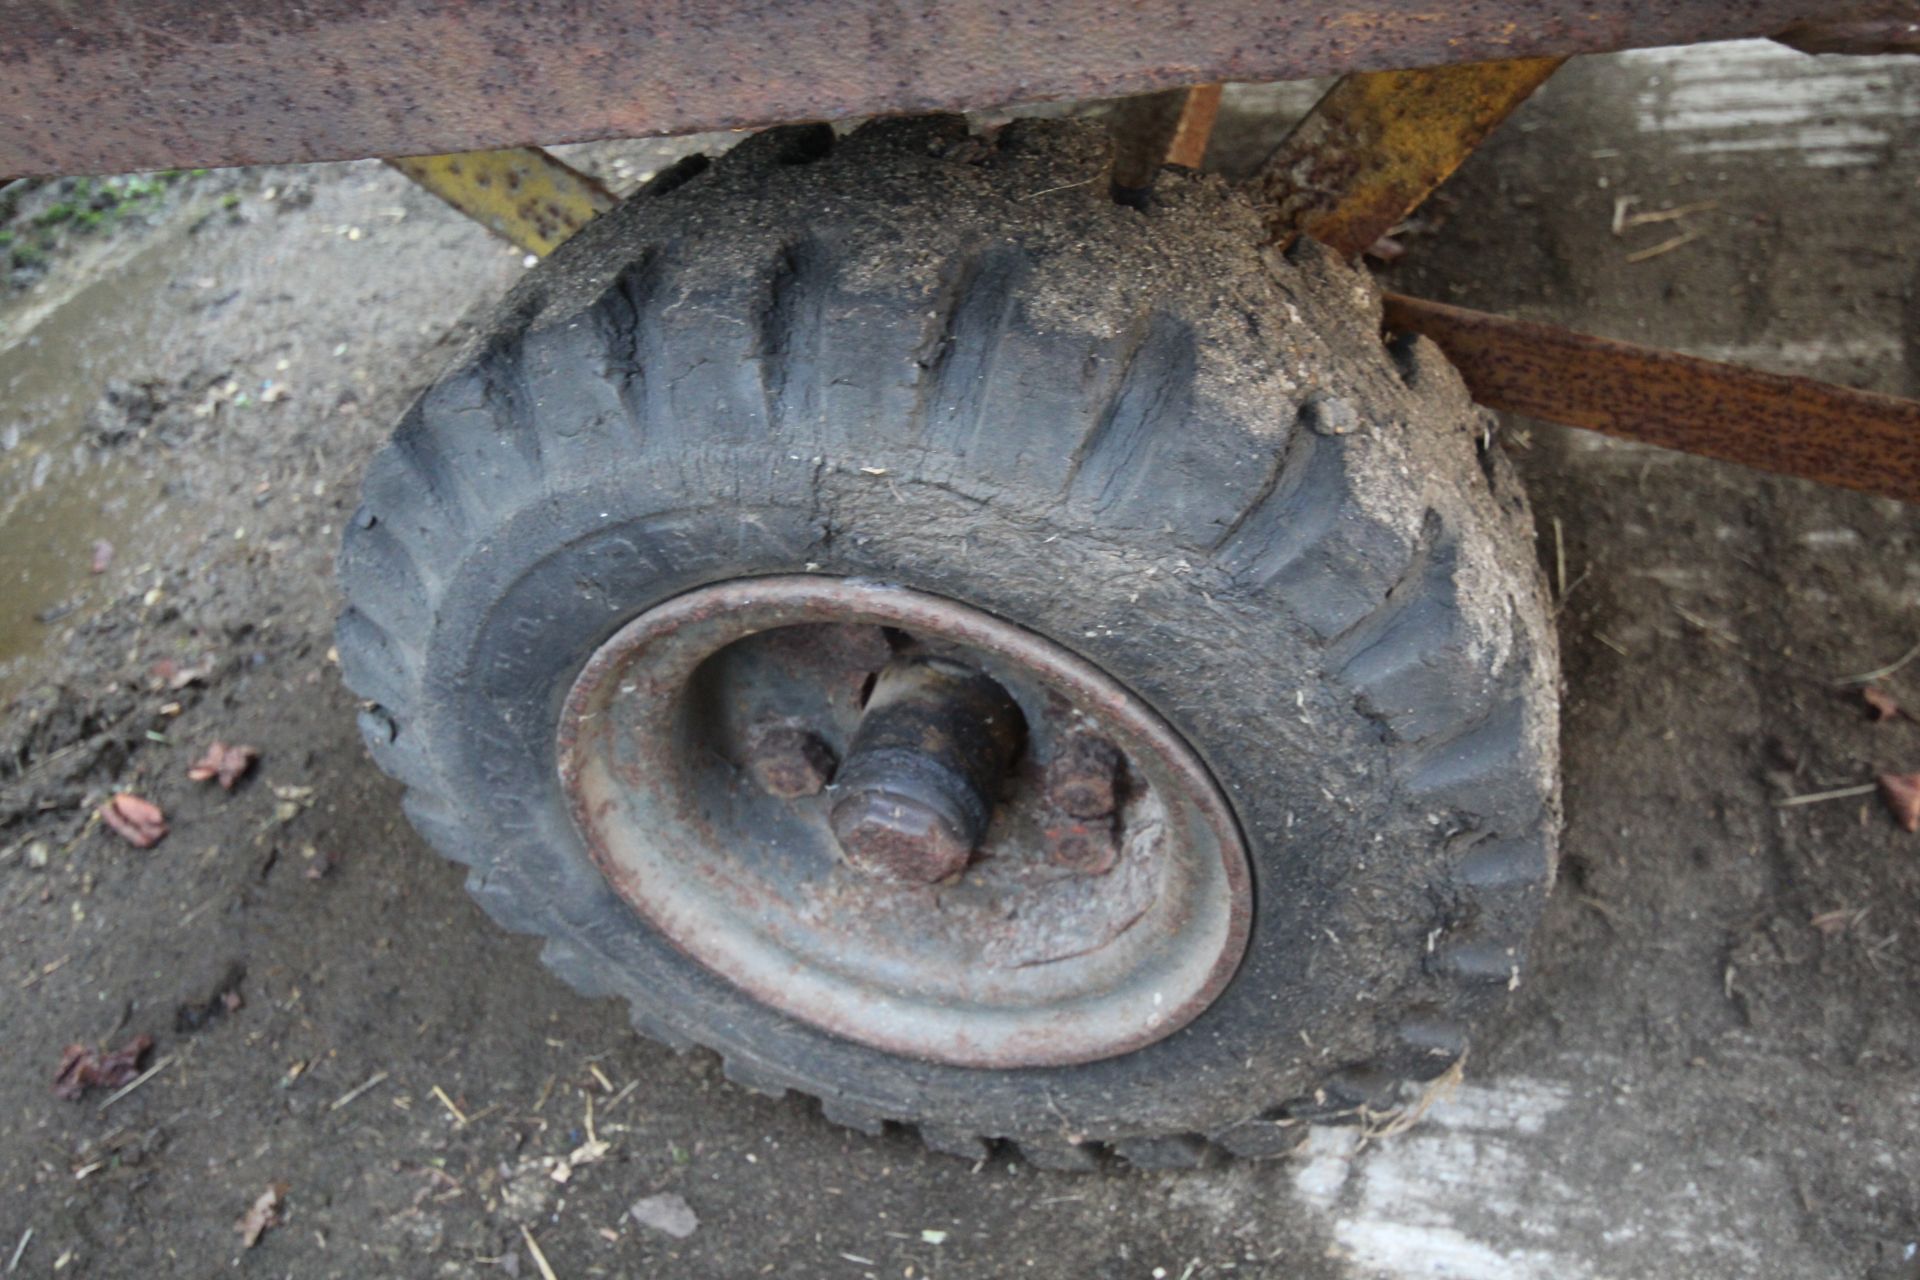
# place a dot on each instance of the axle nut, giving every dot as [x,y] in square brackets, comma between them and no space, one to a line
[916,793]
[899,838]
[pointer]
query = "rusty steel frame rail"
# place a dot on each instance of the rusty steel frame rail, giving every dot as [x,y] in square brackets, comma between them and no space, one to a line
[1875,36]
[1378,143]
[116,85]
[1793,426]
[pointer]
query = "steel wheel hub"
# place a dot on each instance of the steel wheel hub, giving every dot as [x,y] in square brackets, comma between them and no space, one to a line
[905,821]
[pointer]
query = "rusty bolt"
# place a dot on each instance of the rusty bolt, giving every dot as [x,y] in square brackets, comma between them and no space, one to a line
[916,793]
[899,838]
[1090,848]
[1083,777]
[789,761]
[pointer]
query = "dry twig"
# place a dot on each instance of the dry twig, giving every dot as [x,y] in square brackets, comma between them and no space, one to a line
[1881,673]
[1666,246]
[459,1116]
[539,1258]
[1816,797]
[136,1082]
[353,1093]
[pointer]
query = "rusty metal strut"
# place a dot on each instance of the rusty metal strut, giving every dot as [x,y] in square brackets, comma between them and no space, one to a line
[1793,426]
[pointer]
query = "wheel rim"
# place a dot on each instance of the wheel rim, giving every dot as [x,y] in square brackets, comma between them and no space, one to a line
[695,750]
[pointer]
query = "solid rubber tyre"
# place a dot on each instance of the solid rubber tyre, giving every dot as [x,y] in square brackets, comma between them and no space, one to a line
[957,365]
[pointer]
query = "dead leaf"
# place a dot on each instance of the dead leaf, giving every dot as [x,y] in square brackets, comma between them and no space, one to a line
[1880,703]
[138,822]
[1901,791]
[102,556]
[264,1212]
[83,1068]
[223,763]
[669,1213]
[586,1153]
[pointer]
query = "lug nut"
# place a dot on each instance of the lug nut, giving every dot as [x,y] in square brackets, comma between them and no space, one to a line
[789,761]
[1083,777]
[1089,848]
[916,792]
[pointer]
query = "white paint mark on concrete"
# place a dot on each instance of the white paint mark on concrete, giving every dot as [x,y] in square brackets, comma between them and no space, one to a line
[1420,1204]
[1753,96]
[1516,1181]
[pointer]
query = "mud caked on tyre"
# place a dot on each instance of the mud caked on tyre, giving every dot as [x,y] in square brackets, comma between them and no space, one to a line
[764,456]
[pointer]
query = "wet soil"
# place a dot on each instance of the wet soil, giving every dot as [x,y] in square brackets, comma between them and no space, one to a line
[1710,1071]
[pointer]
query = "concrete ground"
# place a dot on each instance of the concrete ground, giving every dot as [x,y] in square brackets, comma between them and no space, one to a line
[1712,1070]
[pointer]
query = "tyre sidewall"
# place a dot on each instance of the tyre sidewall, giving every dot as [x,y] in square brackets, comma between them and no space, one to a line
[1343,867]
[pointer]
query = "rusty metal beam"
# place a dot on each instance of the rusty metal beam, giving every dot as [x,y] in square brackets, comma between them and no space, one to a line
[1156,129]
[1142,128]
[1194,129]
[522,194]
[1377,144]
[1883,35]
[1793,426]
[113,85]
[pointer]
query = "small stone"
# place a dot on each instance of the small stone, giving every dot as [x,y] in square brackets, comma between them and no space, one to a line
[668,1213]
[39,853]
[1330,416]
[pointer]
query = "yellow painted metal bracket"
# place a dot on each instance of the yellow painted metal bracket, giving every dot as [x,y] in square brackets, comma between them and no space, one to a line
[1378,143]
[523,194]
